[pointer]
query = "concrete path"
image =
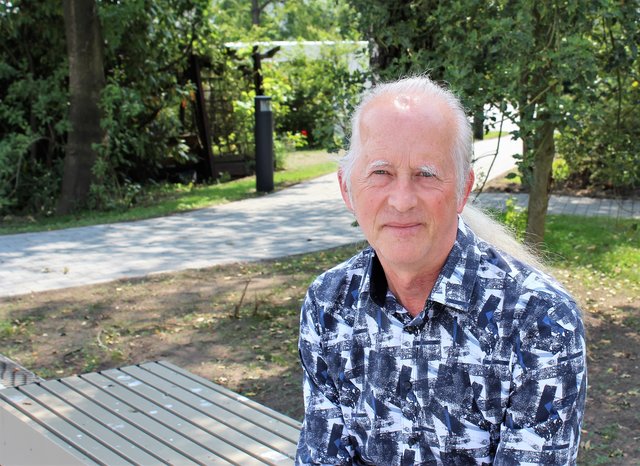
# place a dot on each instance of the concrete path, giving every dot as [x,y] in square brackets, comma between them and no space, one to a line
[568,205]
[307,217]
[487,165]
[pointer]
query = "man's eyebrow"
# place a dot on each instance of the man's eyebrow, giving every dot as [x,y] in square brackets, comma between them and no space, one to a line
[378,164]
[429,169]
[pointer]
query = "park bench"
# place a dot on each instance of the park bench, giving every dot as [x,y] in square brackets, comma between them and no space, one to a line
[13,374]
[151,413]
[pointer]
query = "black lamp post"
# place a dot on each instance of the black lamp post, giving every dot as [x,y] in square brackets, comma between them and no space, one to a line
[264,144]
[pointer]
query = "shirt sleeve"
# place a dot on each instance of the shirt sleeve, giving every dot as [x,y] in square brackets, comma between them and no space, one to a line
[322,439]
[548,388]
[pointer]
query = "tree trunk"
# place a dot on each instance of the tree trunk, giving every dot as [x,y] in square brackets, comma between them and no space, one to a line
[544,151]
[86,81]
[478,124]
[257,70]
[255,13]
[540,137]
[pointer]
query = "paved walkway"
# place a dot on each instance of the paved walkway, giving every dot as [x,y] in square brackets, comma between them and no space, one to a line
[304,218]
[568,205]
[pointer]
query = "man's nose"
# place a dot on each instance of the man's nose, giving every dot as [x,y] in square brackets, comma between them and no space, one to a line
[403,196]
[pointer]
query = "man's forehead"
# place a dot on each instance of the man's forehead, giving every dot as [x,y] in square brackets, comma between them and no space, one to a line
[384,112]
[417,163]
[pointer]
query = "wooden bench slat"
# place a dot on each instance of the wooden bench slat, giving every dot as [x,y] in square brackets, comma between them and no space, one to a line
[237,405]
[61,428]
[116,422]
[261,447]
[110,439]
[152,418]
[291,434]
[24,441]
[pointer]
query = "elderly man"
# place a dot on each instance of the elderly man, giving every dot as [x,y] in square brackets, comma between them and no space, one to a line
[432,346]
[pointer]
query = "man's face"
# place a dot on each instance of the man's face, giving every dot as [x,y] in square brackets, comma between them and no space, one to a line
[403,184]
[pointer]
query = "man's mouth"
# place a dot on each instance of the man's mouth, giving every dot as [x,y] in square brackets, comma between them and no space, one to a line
[402,226]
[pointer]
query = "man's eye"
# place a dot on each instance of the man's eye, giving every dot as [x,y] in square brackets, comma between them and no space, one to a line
[380,172]
[427,174]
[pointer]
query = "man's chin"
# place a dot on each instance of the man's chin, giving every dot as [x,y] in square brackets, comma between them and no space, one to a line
[400,258]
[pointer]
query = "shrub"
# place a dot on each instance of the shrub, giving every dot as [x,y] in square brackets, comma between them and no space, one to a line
[320,94]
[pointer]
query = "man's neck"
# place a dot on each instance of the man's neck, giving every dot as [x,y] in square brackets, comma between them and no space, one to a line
[410,288]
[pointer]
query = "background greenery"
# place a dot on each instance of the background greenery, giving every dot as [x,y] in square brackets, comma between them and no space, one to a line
[147,49]
[566,72]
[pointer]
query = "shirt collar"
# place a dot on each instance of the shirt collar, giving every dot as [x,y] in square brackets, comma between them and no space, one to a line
[455,283]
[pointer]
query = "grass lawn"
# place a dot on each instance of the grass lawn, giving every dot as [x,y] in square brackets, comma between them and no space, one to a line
[237,325]
[168,198]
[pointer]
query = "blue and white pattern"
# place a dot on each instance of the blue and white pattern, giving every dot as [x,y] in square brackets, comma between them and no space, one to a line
[493,371]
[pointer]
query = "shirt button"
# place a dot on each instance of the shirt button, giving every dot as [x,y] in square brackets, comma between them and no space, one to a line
[407,385]
[411,329]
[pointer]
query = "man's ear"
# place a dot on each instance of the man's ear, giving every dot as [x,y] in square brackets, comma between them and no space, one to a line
[467,190]
[344,190]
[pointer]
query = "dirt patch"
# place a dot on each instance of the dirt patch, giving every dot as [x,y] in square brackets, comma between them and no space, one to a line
[611,430]
[237,326]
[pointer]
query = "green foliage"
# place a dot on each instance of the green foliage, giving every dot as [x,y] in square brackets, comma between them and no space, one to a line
[601,156]
[33,99]
[286,143]
[148,45]
[560,170]
[309,95]
[515,217]
[285,20]
[150,48]
[602,143]
[316,95]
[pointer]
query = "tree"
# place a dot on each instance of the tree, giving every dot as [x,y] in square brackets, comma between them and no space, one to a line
[547,67]
[601,145]
[33,101]
[269,20]
[86,81]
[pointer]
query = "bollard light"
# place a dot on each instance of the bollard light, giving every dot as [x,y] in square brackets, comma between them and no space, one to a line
[264,144]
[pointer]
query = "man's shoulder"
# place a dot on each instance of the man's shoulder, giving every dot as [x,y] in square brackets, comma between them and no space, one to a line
[335,281]
[525,284]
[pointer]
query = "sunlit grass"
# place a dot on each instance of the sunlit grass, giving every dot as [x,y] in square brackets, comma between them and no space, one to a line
[608,246]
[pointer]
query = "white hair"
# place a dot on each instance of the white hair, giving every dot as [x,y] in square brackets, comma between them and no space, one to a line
[482,224]
[500,236]
[416,86]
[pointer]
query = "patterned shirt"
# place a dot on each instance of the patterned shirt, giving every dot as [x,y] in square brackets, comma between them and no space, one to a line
[491,372]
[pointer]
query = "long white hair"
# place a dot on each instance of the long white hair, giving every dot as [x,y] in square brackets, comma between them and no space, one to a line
[500,236]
